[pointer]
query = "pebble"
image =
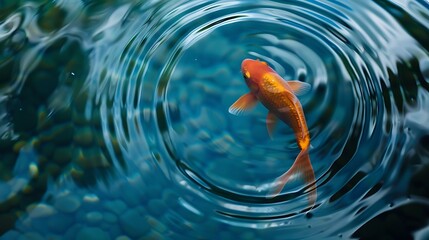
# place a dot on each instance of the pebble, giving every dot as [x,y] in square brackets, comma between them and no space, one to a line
[116,206]
[11,235]
[61,134]
[225,235]
[91,233]
[91,198]
[67,203]
[222,144]
[60,223]
[110,217]
[32,236]
[131,196]
[203,135]
[196,152]
[248,236]
[122,238]
[63,155]
[156,207]
[213,121]
[170,198]
[94,217]
[153,236]
[133,224]
[40,210]
[84,136]
[72,231]
[156,225]
[53,237]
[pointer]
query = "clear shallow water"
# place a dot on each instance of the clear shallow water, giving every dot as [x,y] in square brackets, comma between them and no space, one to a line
[114,121]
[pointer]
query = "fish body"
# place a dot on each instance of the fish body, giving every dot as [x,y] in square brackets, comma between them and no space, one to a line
[280,98]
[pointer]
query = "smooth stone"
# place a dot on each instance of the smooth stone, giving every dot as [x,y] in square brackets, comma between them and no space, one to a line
[41,210]
[206,88]
[225,235]
[156,207]
[122,238]
[110,217]
[72,231]
[11,234]
[63,155]
[152,191]
[78,118]
[131,197]
[32,236]
[62,134]
[94,217]
[116,206]
[212,120]
[203,135]
[80,216]
[196,152]
[91,233]
[5,191]
[84,136]
[153,235]
[43,83]
[248,236]
[156,225]
[60,223]
[24,118]
[91,198]
[67,203]
[62,115]
[52,237]
[133,223]
[170,197]
[222,144]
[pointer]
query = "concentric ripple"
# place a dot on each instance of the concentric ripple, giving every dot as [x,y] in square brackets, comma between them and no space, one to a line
[178,72]
[162,75]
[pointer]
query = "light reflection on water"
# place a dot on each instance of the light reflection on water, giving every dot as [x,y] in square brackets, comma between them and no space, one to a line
[119,113]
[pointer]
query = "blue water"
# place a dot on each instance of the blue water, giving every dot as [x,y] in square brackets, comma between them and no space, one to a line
[114,119]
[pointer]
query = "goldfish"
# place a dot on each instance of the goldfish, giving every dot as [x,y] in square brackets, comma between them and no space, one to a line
[280,98]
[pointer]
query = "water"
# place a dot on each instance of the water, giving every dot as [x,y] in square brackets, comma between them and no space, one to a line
[114,119]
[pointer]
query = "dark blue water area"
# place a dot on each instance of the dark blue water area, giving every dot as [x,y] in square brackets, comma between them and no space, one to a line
[114,120]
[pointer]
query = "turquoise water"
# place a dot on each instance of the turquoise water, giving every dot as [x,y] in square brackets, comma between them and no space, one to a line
[114,119]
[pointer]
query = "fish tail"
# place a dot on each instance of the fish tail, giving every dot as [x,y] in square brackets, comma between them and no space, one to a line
[302,168]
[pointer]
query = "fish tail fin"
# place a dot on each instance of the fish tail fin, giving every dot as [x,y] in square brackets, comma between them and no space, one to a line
[301,167]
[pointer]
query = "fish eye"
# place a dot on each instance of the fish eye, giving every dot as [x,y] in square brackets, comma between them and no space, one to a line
[246,74]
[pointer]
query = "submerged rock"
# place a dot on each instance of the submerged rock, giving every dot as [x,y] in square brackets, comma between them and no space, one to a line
[91,233]
[67,204]
[41,210]
[94,217]
[116,206]
[133,223]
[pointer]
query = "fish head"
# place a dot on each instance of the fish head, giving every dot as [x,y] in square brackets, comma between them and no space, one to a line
[253,72]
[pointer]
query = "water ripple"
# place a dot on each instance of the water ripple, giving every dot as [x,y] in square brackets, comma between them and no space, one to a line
[162,75]
[180,73]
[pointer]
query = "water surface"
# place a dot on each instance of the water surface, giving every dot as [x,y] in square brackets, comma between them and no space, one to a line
[114,119]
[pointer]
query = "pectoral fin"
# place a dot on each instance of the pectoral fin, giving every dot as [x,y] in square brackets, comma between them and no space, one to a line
[271,123]
[299,88]
[243,104]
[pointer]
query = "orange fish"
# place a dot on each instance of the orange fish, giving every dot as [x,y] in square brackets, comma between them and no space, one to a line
[279,97]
